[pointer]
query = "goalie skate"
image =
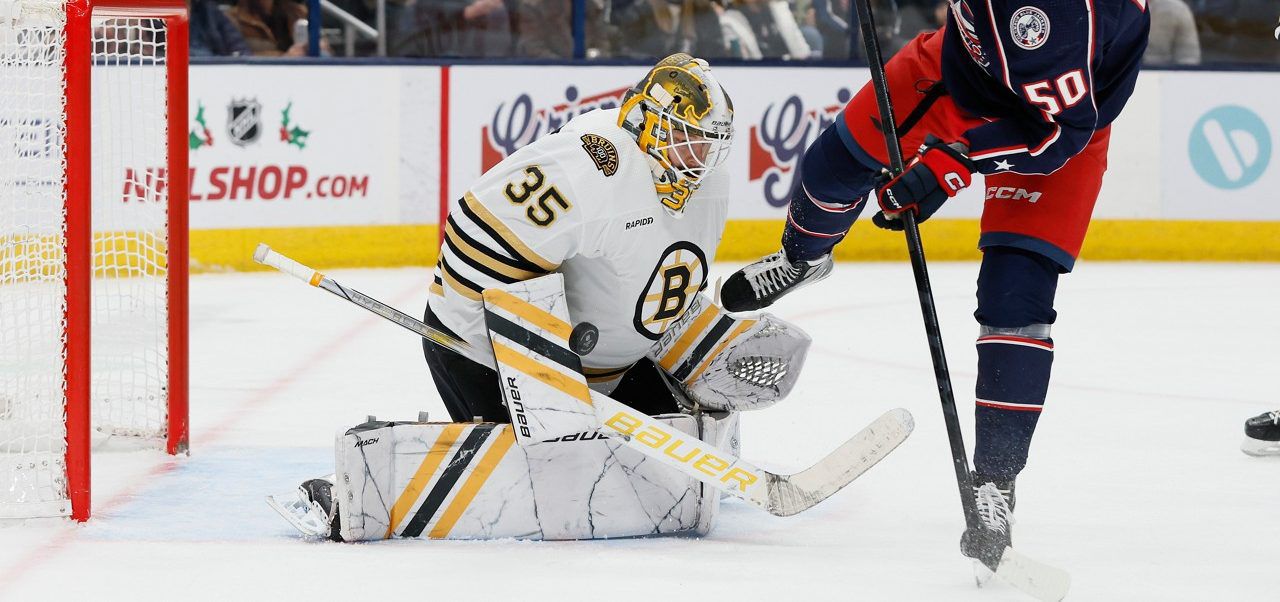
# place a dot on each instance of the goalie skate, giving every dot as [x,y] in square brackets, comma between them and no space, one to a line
[305,510]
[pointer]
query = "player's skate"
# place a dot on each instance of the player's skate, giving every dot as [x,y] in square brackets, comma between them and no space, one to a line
[986,543]
[758,285]
[1262,435]
[311,511]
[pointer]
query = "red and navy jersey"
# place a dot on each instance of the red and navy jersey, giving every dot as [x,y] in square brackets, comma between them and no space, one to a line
[1045,74]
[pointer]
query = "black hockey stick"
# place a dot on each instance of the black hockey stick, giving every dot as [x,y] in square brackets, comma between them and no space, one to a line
[1040,581]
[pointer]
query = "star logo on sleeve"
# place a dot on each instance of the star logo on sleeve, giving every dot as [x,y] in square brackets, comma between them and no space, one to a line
[1003,165]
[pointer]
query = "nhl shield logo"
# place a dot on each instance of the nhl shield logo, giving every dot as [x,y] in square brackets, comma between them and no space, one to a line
[1029,27]
[244,121]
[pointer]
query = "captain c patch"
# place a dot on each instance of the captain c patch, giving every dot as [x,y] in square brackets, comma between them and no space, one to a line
[602,152]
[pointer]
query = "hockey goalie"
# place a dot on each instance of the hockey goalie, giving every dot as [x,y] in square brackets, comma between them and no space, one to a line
[594,388]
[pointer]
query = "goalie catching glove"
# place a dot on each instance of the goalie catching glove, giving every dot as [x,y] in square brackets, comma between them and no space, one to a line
[937,173]
[729,363]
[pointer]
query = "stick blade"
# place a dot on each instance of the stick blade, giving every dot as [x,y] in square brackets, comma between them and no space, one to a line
[1034,578]
[796,493]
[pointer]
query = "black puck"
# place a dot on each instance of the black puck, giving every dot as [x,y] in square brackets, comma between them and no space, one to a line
[584,338]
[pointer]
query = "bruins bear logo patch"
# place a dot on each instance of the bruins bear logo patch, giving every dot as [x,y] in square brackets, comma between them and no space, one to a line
[602,152]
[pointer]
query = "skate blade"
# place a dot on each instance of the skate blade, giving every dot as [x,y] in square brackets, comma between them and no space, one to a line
[299,514]
[1259,448]
[981,574]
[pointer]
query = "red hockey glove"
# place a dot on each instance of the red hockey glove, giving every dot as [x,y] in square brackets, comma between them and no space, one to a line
[936,174]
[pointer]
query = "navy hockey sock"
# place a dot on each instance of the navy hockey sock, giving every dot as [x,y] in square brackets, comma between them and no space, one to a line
[830,195]
[1013,379]
[1015,355]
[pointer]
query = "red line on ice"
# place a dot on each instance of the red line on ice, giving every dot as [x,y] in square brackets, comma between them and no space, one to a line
[25,565]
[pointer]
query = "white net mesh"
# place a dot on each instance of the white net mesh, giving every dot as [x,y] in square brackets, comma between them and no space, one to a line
[130,213]
[130,196]
[32,289]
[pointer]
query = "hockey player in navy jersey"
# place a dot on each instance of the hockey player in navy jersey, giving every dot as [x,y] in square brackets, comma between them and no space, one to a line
[1023,92]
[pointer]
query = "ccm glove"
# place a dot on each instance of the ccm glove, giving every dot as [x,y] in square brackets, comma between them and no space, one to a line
[936,174]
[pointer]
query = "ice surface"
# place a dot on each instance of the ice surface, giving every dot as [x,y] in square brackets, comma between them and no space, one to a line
[1135,484]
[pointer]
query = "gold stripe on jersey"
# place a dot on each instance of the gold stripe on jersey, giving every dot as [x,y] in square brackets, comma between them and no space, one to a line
[668,361]
[542,372]
[742,326]
[460,285]
[437,285]
[603,375]
[535,315]
[418,483]
[474,271]
[479,474]
[487,221]
[482,258]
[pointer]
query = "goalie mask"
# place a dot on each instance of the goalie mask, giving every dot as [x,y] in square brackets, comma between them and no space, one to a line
[683,119]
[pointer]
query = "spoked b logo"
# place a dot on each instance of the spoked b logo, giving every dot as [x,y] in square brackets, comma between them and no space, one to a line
[1230,147]
[680,273]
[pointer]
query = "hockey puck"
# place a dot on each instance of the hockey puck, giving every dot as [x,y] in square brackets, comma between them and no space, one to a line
[583,338]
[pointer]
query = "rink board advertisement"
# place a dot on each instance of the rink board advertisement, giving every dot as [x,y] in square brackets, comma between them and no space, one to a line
[313,157]
[359,152]
[269,149]
[1219,154]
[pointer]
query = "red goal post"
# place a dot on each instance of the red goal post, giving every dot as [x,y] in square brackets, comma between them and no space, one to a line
[119,276]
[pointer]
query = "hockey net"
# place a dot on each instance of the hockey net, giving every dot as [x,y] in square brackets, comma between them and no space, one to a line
[134,272]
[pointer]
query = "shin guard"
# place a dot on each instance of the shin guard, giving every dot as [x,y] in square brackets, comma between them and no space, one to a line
[1013,379]
[1016,289]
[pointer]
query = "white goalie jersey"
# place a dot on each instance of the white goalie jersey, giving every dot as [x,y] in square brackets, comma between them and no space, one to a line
[580,202]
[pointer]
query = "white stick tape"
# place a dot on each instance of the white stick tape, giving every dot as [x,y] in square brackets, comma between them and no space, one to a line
[266,256]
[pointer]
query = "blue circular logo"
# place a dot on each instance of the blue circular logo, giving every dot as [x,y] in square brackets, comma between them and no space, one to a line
[1230,147]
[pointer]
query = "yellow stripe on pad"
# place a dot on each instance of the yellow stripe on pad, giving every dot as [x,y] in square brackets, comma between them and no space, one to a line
[546,374]
[435,456]
[710,356]
[501,445]
[316,278]
[534,314]
[699,324]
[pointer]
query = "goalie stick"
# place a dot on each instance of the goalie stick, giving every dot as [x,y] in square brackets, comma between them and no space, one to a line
[1036,579]
[778,494]
[265,255]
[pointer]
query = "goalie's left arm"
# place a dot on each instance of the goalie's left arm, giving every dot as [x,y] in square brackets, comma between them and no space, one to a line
[726,362]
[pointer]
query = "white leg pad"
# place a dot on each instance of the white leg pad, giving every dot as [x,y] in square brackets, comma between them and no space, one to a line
[470,481]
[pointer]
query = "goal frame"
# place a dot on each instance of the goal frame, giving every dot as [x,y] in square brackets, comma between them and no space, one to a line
[79,245]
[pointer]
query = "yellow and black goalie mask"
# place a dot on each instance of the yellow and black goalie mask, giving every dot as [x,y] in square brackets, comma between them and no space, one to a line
[683,118]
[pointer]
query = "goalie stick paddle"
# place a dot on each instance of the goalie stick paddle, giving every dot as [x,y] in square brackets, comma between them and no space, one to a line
[780,495]
[1038,580]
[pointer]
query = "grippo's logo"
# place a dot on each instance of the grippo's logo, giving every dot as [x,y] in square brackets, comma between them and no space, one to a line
[519,122]
[778,142]
[679,274]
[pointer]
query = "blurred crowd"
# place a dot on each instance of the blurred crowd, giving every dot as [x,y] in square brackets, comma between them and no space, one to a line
[1183,32]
